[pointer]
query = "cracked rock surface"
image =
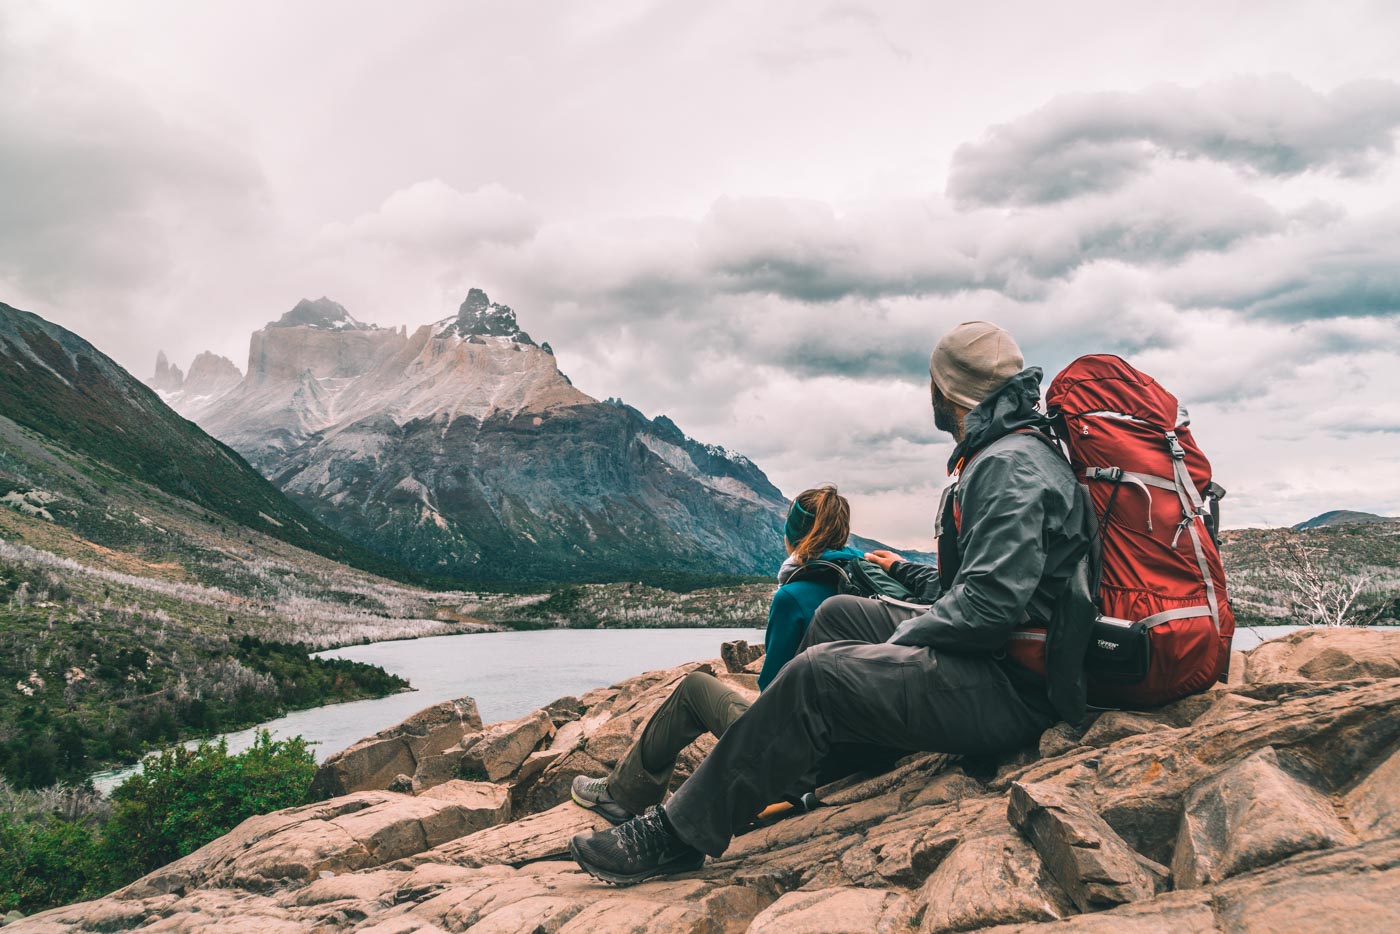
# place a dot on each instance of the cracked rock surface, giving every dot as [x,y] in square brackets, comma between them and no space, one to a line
[1268,804]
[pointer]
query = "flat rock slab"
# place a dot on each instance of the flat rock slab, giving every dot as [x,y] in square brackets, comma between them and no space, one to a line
[1250,815]
[1093,865]
[539,836]
[841,910]
[345,834]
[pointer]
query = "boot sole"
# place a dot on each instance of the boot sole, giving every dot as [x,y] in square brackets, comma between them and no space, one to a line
[615,821]
[620,879]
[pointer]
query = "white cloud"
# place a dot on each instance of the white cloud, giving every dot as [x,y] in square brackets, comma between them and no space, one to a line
[1272,125]
[432,215]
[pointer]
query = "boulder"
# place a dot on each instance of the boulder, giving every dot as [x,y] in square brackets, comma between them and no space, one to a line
[1090,862]
[564,710]
[1249,815]
[738,655]
[376,761]
[500,749]
[492,754]
[993,879]
[1325,655]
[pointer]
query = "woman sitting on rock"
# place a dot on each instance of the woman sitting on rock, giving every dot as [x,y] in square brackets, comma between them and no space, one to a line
[818,525]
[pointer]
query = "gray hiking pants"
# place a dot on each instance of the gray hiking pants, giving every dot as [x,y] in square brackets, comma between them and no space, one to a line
[700,704]
[864,691]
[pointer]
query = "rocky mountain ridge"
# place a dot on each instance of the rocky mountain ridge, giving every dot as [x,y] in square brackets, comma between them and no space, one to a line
[56,385]
[1340,517]
[461,449]
[1268,804]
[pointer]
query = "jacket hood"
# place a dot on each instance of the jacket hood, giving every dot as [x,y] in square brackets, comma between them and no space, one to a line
[1011,407]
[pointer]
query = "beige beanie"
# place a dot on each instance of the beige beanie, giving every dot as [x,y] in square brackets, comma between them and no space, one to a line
[972,360]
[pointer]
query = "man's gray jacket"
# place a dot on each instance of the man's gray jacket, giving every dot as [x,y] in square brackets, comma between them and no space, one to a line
[1024,529]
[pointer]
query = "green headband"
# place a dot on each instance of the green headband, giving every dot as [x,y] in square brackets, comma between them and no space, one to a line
[799,524]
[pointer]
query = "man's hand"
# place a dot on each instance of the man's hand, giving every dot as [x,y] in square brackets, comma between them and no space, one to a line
[883,558]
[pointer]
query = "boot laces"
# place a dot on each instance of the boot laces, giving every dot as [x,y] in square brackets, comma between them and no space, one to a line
[644,836]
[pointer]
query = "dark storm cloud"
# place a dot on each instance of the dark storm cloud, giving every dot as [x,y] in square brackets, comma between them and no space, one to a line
[1348,269]
[1096,142]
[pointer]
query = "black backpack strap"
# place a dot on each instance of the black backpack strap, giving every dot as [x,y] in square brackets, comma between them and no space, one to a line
[818,569]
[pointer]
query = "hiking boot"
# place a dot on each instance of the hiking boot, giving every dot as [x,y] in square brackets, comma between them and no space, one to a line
[592,793]
[635,851]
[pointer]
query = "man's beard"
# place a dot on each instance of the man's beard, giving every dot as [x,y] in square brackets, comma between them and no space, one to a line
[944,418]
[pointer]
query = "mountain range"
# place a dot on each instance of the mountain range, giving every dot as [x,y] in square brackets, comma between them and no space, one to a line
[459,448]
[75,425]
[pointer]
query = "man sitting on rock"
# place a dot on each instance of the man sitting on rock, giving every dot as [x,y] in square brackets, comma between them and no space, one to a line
[934,680]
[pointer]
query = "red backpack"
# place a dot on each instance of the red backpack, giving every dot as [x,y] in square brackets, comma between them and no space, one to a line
[1164,626]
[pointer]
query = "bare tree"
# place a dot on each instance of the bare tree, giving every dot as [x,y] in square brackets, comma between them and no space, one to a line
[1322,593]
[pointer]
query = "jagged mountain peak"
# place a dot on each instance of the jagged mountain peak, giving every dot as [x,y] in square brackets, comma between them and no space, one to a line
[167,378]
[478,316]
[211,374]
[322,314]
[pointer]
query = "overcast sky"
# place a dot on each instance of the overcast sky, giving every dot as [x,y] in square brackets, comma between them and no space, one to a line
[754,218]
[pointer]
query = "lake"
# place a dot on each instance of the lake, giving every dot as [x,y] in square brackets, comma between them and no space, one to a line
[509,674]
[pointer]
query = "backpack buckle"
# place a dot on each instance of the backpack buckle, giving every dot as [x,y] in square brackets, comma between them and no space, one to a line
[1178,452]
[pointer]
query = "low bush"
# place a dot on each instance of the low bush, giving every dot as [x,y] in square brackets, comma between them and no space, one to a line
[53,853]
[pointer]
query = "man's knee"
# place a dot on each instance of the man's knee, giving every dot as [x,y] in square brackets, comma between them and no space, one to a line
[833,620]
[697,682]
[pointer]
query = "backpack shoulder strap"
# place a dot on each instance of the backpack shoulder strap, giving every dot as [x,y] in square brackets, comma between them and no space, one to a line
[818,569]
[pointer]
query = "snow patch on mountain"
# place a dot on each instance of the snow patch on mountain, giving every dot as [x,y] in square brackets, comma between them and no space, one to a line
[679,458]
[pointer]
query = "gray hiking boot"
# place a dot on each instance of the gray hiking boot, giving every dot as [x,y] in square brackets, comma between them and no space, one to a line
[635,851]
[592,793]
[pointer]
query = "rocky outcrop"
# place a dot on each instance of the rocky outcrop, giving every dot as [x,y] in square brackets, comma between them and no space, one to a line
[1266,805]
[1343,655]
[377,761]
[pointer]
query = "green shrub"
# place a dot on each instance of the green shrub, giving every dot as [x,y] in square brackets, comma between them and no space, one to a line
[46,862]
[184,798]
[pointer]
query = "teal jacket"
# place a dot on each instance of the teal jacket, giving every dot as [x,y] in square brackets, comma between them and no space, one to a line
[792,609]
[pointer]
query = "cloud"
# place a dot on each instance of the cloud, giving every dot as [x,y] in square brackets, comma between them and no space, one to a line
[98,189]
[1271,125]
[1345,268]
[814,253]
[432,215]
